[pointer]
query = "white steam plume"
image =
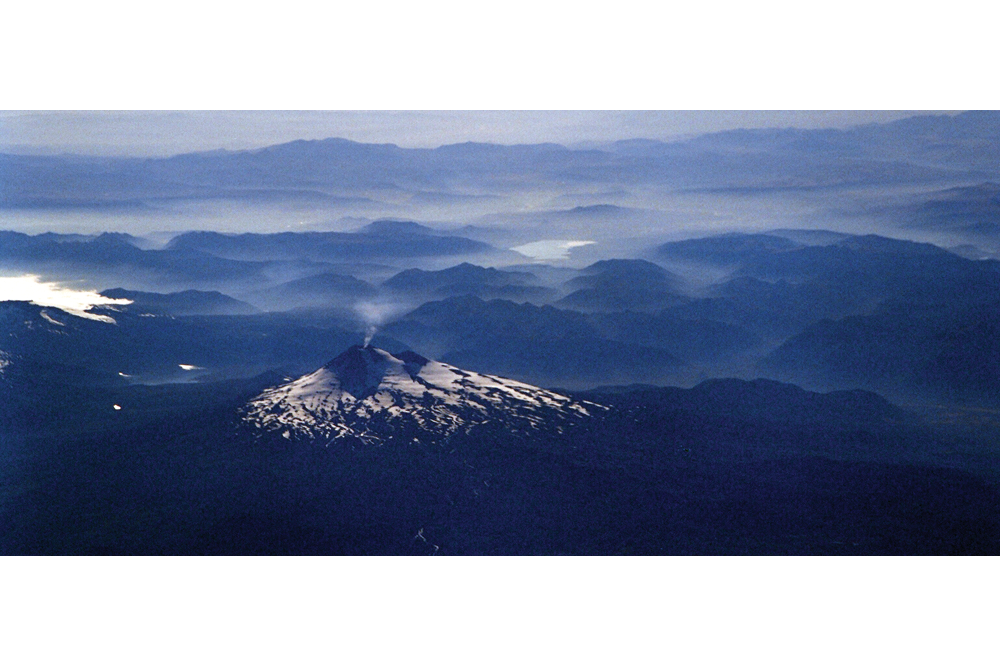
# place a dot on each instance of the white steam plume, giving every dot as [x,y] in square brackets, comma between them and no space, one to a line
[375,313]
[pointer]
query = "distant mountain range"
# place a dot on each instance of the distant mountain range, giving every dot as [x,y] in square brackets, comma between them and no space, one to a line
[620,284]
[919,149]
[973,210]
[824,309]
[190,302]
[210,259]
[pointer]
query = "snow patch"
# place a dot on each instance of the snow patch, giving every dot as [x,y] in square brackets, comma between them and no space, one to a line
[48,318]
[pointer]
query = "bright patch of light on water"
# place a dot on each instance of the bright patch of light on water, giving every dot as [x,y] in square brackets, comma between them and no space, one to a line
[189,367]
[53,295]
[549,250]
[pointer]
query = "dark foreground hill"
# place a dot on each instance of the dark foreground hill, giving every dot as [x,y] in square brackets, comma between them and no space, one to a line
[948,352]
[661,471]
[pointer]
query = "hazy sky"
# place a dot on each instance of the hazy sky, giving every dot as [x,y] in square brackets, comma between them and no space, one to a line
[171,132]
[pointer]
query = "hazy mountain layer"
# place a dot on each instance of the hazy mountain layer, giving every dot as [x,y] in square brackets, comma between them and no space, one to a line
[325,246]
[946,352]
[911,150]
[190,302]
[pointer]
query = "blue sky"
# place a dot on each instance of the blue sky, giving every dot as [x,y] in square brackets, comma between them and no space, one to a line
[150,133]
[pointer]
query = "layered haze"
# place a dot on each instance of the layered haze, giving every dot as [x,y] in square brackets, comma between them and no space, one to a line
[375,237]
[788,334]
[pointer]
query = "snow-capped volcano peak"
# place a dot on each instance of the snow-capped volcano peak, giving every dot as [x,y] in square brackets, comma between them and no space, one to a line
[368,393]
[360,371]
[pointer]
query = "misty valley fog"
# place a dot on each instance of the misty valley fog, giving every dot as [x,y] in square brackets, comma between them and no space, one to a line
[744,310]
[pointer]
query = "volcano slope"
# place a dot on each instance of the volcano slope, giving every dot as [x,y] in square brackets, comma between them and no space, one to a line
[368,394]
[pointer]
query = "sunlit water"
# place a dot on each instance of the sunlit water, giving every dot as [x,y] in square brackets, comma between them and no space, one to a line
[53,295]
[541,251]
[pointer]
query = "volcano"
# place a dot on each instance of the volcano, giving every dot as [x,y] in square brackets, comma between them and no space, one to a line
[369,394]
